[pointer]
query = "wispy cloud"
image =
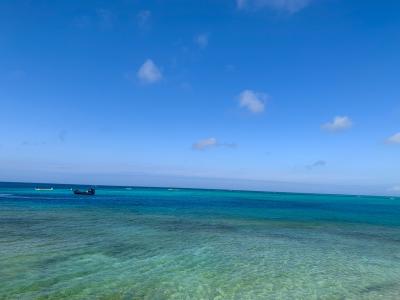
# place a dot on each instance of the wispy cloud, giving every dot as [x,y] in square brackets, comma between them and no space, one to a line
[394,139]
[211,143]
[102,18]
[241,3]
[82,22]
[149,72]
[253,101]
[143,18]
[230,68]
[202,40]
[62,135]
[395,189]
[33,144]
[339,123]
[290,6]
[316,164]
[17,75]
[205,143]
[105,18]
[186,86]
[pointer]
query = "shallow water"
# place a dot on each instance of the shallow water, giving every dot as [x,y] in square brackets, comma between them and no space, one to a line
[153,243]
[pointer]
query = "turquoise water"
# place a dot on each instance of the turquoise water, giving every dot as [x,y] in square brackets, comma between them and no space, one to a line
[153,243]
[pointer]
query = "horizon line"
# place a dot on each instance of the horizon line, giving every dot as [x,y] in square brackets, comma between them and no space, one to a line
[203,188]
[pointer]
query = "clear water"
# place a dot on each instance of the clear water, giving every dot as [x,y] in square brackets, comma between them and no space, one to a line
[148,243]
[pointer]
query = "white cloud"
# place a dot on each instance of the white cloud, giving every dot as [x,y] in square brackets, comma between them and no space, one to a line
[206,143]
[210,143]
[201,40]
[394,139]
[338,123]
[143,17]
[290,6]
[253,101]
[149,72]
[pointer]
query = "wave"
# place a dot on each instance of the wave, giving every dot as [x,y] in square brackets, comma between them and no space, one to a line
[34,197]
[6,195]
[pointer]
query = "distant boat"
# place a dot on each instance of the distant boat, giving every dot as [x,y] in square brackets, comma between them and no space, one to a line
[43,189]
[89,192]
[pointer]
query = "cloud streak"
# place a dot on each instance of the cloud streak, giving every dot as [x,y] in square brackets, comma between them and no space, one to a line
[143,18]
[318,163]
[205,144]
[105,18]
[290,6]
[17,75]
[201,40]
[394,139]
[395,189]
[339,123]
[149,72]
[253,101]
[102,18]
[62,136]
[210,143]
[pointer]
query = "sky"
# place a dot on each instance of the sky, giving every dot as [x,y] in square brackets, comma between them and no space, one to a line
[283,95]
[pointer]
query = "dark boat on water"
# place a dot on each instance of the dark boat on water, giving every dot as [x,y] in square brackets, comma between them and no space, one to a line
[89,192]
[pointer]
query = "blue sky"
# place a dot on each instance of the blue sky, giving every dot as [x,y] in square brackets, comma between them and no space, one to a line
[261,94]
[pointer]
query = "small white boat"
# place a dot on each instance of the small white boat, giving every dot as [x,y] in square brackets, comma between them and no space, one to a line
[44,189]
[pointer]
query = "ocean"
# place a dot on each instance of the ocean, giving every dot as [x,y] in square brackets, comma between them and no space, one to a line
[168,243]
